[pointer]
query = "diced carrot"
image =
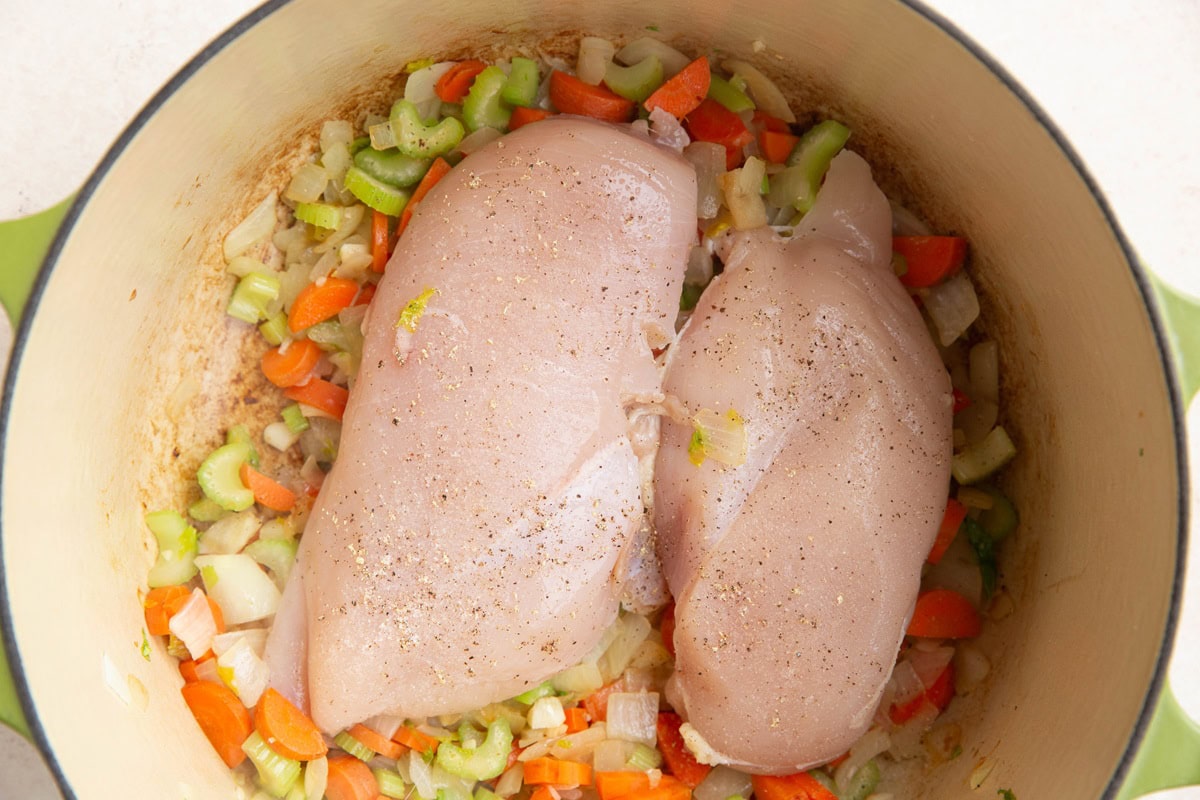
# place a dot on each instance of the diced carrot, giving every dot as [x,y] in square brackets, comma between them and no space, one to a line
[961,401]
[596,703]
[514,755]
[610,785]
[713,122]
[944,614]
[667,626]
[318,302]
[350,779]
[376,741]
[800,786]
[577,719]
[768,123]
[542,793]
[218,615]
[267,492]
[288,367]
[572,96]
[938,694]
[379,241]
[930,259]
[454,84]
[222,717]
[415,740]
[522,116]
[952,520]
[437,170]
[188,670]
[683,93]
[288,730]
[557,772]
[668,788]
[776,146]
[321,395]
[155,606]
[679,760]
[366,295]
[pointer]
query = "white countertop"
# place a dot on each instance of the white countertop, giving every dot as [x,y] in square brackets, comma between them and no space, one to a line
[1121,79]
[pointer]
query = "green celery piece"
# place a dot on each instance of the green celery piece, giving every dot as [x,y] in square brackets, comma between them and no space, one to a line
[294,418]
[690,296]
[392,167]
[480,763]
[484,106]
[353,746]
[824,778]
[862,783]
[637,81]
[277,555]
[276,774]
[251,296]
[530,696]
[359,144]
[322,215]
[808,162]
[644,758]
[219,479]
[483,793]
[383,197]
[275,329]
[985,552]
[416,139]
[390,783]
[240,433]
[176,549]
[1001,519]
[729,95]
[520,89]
[981,459]
[205,510]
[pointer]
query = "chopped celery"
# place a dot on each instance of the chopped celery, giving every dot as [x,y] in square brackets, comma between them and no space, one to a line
[276,774]
[808,162]
[275,329]
[205,510]
[416,139]
[251,297]
[981,459]
[729,95]
[822,777]
[240,433]
[278,528]
[392,167]
[863,782]
[359,144]
[483,793]
[295,419]
[985,554]
[530,696]
[1001,519]
[322,215]
[353,746]
[219,479]
[176,549]
[644,758]
[383,197]
[391,784]
[635,82]
[520,89]
[484,106]
[481,763]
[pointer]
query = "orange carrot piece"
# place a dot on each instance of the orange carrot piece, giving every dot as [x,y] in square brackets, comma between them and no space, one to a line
[218,615]
[577,719]
[318,302]
[286,368]
[366,295]
[437,170]
[956,512]
[379,241]
[222,717]
[777,146]
[681,94]
[944,614]
[413,739]
[557,772]
[321,395]
[768,123]
[454,84]
[930,259]
[596,704]
[188,668]
[938,694]
[267,492]
[542,793]
[522,116]
[350,779]
[572,96]
[376,741]
[610,785]
[288,730]
[800,786]
[668,788]
[678,759]
[667,626]
[156,606]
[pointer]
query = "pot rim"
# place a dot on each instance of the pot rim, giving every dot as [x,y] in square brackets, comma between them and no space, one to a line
[241,26]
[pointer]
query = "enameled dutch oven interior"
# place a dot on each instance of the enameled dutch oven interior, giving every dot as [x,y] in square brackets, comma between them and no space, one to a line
[145,365]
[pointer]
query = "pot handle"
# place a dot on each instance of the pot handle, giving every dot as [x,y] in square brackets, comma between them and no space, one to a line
[23,244]
[1181,315]
[1169,756]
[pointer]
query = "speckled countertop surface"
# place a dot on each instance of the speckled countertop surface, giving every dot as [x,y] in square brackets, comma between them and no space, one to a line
[1119,78]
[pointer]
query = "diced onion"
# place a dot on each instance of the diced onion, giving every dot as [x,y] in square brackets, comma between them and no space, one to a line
[721,437]
[906,223]
[352,217]
[546,712]
[722,783]
[928,661]
[194,624]
[239,586]
[611,755]
[672,60]
[316,778]
[971,667]
[206,670]
[905,683]
[594,56]
[984,360]
[511,780]
[632,716]
[383,135]
[634,628]
[582,678]
[477,139]
[307,184]
[336,132]
[743,194]
[872,743]
[421,774]
[244,672]
[665,130]
[230,533]
[419,87]
[708,159]
[981,459]
[242,266]
[763,91]
[256,227]
[953,307]
[575,747]
[977,420]
[336,160]
[279,436]
[256,638]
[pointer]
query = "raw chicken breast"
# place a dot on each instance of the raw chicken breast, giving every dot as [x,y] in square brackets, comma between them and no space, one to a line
[463,547]
[795,573]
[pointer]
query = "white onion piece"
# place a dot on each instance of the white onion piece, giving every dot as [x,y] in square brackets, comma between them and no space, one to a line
[352,217]
[510,782]
[722,783]
[977,420]
[958,570]
[953,307]
[383,135]
[984,360]
[971,667]
[206,670]
[311,473]
[336,160]
[928,662]
[255,638]
[420,85]
[307,184]
[247,673]
[256,227]
[665,130]
[708,159]
[194,624]
[230,533]
[742,189]
[316,778]
[631,716]
[633,630]
[595,54]
[763,91]
[336,132]
[906,223]
[873,742]
[672,60]
[906,740]
[699,271]
[906,684]
[611,755]
[582,678]
[242,266]
[477,139]
[575,747]
[421,774]
[239,586]
[279,436]
[546,712]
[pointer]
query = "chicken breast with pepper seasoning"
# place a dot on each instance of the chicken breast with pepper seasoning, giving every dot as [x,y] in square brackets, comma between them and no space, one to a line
[464,546]
[795,573]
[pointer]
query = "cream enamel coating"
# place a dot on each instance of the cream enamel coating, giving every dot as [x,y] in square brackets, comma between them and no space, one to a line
[90,442]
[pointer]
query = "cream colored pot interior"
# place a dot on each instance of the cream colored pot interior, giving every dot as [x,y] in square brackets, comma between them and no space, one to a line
[118,387]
